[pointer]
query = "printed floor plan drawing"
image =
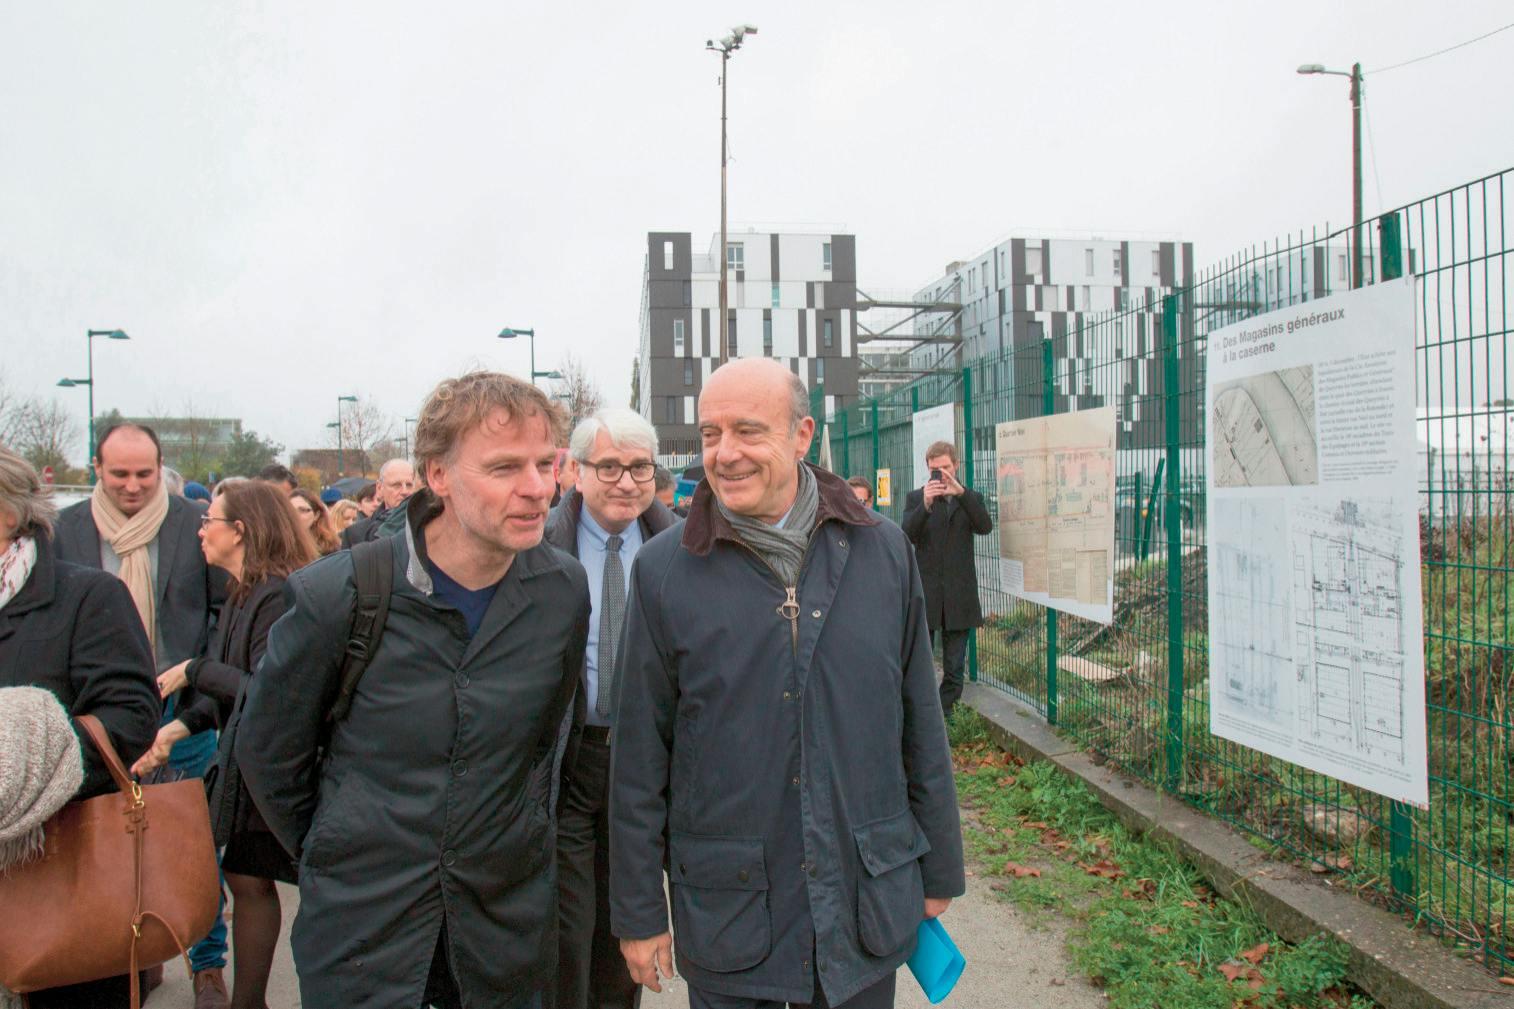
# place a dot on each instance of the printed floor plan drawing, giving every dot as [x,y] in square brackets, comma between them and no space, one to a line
[1349,628]
[1264,430]
[1250,590]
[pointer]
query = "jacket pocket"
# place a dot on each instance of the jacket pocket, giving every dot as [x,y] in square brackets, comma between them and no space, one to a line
[890,892]
[335,832]
[720,901]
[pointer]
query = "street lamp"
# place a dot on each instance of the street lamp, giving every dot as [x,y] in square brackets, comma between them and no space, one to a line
[405,429]
[727,45]
[1356,159]
[69,383]
[341,463]
[510,334]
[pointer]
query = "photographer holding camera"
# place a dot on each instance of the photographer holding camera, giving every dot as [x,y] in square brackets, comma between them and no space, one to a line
[941,519]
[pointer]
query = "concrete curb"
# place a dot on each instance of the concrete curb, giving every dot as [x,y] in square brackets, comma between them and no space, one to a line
[1398,967]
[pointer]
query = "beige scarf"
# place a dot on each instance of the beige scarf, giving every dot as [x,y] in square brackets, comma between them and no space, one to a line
[129,536]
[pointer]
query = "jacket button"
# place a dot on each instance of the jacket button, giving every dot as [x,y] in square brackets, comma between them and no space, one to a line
[462,680]
[841,544]
[743,875]
[796,780]
[459,768]
[816,614]
[449,857]
[787,695]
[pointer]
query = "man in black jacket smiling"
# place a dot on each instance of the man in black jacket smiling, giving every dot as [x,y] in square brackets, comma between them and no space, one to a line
[778,736]
[425,833]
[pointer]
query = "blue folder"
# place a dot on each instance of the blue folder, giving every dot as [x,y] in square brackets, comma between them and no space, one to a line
[936,962]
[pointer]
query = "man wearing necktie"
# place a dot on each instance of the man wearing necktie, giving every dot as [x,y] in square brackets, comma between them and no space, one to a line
[941,519]
[603,521]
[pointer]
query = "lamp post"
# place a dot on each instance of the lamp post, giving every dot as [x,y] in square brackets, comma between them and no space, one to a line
[341,462]
[1356,159]
[510,334]
[727,45]
[405,428]
[69,383]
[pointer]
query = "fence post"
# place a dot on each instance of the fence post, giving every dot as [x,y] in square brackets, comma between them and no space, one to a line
[1049,406]
[875,453]
[967,471]
[846,443]
[1171,403]
[1400,817]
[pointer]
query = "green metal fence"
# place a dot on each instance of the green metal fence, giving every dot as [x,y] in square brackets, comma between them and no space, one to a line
[1136,693]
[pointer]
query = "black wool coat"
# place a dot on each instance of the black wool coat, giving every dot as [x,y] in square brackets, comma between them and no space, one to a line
[431,804]
[189,590]
[216,692]
[75,632]
[787,762]
[943,539]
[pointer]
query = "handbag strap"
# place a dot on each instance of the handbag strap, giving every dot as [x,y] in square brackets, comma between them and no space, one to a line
[136,825]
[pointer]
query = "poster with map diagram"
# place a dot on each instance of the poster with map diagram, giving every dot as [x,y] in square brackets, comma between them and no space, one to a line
[1055,478]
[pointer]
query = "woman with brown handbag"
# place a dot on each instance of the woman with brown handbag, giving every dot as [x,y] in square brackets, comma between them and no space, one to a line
[74,632]
[252,533]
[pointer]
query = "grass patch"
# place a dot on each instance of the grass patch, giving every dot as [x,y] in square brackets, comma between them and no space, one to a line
[1145,925]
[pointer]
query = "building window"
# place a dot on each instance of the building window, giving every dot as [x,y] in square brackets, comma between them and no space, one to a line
[730,336]
[1033,262]
[1087,298]
[1124,301]
[828,339]
[1156,262]
[825,259]
[735,256]
[819,371]
[775,294]
[678,342]
[670,410]
[1117,262]
[688,371]
[688,293]
[667,255]
[1088,262]
[1340,268]
[767,337]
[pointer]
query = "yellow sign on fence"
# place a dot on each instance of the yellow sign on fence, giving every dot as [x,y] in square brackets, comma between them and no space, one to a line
[884,496]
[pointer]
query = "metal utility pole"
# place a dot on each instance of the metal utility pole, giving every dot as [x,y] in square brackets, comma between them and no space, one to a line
[727,45]
[1356,159]
[69,383]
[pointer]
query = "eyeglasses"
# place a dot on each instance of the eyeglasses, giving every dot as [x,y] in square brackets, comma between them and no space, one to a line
[609,472]
[205,520]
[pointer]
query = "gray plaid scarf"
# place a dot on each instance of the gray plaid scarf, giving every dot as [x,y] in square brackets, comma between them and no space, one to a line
[782,548]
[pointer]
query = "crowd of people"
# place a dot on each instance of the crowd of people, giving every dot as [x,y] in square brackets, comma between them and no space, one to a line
[493,713]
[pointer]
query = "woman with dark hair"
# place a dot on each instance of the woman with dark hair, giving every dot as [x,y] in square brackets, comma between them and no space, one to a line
[252,533]
[311,512]
[74,632]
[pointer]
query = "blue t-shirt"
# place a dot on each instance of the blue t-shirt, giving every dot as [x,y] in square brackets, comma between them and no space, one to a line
[471,603]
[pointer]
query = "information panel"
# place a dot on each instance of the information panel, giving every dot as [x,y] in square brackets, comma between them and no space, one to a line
[1055,478]
[1315,623]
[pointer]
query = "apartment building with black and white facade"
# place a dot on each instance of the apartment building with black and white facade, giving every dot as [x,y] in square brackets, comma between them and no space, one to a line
[791,296]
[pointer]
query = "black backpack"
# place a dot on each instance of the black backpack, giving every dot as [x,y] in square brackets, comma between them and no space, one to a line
[373,573]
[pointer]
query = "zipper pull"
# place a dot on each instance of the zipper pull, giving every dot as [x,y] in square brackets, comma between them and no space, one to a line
[789,608]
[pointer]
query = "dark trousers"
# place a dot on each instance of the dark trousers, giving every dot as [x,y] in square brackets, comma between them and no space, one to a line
[877,996]
[953,664]
[591,973]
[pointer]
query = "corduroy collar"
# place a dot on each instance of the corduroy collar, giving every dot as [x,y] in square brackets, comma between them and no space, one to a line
[705,524]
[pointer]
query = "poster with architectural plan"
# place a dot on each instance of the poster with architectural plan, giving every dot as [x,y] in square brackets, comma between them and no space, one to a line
[1315,625]
[1055,478]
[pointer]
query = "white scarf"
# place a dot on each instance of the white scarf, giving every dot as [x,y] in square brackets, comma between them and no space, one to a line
[129,536]
[16,567]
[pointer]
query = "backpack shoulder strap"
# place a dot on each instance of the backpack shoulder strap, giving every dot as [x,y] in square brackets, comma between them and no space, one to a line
[373,572]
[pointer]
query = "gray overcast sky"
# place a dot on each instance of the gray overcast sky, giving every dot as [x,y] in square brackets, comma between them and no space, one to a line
[285,202]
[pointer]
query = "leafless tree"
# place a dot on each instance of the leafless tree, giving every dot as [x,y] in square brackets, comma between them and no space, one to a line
[636,383]
[43,432]
[10,413]
[366,429]
[576,389]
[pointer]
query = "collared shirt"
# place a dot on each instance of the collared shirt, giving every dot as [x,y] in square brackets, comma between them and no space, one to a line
[591,554]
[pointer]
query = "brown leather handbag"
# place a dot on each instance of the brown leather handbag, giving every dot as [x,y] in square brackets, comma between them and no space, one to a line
[124,882]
